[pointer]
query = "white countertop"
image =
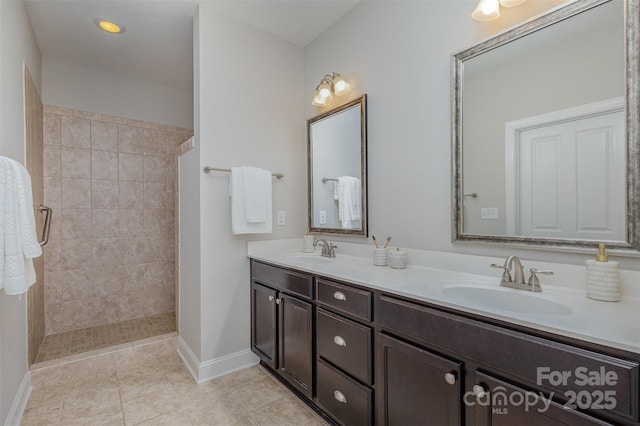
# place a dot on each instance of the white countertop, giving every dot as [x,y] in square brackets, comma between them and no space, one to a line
[430,274]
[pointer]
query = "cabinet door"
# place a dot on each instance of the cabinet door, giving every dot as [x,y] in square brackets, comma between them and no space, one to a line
[295,363]
[264,330]
[497,403]
[416,387]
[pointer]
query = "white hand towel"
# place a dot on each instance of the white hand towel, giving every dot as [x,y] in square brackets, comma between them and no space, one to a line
[239,222]
[255,204]
[349,201]
[19,244]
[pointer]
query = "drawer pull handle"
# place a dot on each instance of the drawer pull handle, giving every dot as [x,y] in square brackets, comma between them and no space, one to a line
[479,391]
[338,295]
[338,340]
[270,298]
[339,396]
[450,378]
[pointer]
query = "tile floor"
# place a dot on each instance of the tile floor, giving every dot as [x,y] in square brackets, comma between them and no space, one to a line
[146,383]
[69,343]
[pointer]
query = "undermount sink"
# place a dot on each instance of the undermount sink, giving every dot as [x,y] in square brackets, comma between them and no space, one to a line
[504,300]
[306,258]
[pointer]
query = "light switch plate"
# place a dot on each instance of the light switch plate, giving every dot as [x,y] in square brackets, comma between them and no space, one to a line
[281,218]
[490,213]
[322,216]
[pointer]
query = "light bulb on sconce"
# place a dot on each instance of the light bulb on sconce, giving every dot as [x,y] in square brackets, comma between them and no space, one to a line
[329,86]
[486,10]
[489,10]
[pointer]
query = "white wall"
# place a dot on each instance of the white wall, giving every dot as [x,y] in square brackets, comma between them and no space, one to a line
[17,44]
[248,112]
[71,85]
[399,53]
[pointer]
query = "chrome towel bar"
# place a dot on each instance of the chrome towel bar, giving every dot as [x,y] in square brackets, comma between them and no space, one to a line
[208,169]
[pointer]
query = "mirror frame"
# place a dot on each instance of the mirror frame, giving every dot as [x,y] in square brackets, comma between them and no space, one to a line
[632,117]
[362,101]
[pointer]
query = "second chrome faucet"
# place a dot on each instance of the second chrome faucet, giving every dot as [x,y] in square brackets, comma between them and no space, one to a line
[328,249]
[516,280]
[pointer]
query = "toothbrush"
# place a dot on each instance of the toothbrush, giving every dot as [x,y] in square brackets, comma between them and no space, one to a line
[387,243]
[373,237]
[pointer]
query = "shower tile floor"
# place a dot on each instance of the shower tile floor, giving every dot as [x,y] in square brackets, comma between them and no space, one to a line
[148,384]
[72,343]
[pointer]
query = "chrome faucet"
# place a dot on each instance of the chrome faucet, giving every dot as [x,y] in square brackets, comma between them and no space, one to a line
[328,249]
[512,263]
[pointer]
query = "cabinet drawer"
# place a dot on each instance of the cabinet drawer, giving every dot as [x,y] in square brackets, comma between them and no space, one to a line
[345,299]
[345,343]
[345,399]
[527,358]
[282,279]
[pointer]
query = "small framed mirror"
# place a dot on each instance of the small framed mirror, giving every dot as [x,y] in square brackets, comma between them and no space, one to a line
[337,165]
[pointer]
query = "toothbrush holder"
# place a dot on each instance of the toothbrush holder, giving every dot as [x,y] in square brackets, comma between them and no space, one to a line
[307,243]
[380,256]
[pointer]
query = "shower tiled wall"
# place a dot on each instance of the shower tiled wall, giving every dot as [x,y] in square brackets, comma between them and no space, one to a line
[111,183]
[34,164]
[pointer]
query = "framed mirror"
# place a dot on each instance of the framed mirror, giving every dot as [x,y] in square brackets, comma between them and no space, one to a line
[546,148]
[337,165]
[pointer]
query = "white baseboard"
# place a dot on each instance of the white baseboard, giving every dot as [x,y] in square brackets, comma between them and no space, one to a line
[20,401]
[211,369]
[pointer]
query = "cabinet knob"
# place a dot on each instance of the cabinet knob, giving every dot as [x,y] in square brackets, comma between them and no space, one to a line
[339,396]
[338,340]
[278,301]
[338,295]
[479,391]
[450,378]
[270,298]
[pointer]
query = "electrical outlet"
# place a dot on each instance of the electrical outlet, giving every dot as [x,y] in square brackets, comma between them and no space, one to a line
[281,218]
[490,213]
[322,216]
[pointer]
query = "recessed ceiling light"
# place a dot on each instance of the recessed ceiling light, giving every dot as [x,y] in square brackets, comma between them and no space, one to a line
[109,26]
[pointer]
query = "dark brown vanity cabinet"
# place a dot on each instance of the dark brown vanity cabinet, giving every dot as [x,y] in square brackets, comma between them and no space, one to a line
[282,323]
[344,345]
[364,357]
[510,368]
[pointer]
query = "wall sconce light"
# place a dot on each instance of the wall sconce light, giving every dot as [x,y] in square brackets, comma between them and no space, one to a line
[489,10]
[330,85]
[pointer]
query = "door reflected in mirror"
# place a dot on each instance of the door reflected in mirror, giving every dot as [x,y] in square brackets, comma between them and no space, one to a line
[337,185]
[544,133]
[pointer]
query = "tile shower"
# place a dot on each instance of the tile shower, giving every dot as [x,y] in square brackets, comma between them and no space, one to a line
[111,182]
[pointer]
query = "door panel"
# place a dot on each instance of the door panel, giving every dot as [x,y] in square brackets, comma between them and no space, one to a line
[506,405]
[413,387]
[264,330]
[296,359]
[571,180]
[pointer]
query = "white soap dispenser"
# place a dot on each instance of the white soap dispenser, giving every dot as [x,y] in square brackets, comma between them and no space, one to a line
[603,281]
